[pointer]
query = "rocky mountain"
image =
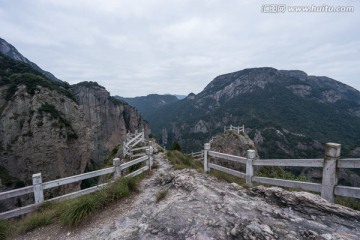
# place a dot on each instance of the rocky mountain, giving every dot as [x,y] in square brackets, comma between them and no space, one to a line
[55,128]
[287,113]
[10,51]
[150,103]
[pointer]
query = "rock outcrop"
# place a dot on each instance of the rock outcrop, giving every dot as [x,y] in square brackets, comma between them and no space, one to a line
[232,143]
[54,128]
[199,206]
[59,137]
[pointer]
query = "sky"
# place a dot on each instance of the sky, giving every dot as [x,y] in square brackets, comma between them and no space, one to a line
[138,47]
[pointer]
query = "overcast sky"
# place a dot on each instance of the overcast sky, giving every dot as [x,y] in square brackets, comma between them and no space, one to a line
[135,48]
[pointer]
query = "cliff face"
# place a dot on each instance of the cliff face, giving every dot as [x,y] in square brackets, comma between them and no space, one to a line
[57,129]
[107,120]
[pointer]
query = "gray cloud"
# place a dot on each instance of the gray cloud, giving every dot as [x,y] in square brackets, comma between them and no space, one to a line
[178,46]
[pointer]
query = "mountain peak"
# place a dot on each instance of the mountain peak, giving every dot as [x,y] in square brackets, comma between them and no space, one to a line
[10,51]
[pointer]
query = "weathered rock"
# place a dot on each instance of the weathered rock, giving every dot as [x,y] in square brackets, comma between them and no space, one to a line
[163,179]
[304,202]
[55,135]
[232,143]
[215,209]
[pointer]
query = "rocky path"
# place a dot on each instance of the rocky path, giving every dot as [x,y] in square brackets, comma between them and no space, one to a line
[198,206]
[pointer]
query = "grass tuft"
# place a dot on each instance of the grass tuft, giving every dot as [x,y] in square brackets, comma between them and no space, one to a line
[279,172]
[3,229]
[79,210]
[180,160]
[227,177]
[348,202]
[36,220]
[121,188]
[161,195]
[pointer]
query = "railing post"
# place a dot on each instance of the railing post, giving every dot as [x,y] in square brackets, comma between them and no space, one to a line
[38,188]
[117,166]
[249,167]
[206,164]
[149,152]
[330,177]
[124,149]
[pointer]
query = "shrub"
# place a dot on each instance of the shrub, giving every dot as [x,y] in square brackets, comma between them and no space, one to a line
[161,195]
[175,146]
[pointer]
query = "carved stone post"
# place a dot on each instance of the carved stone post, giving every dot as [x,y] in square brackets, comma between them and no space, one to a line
[249,167]
[330,177]
[38,188]
[149,152]
[206,164]
[117,166]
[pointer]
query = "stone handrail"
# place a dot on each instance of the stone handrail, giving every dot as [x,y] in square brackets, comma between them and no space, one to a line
[38,186]
[330,163]
[132,139]
[236,129]
[199,154]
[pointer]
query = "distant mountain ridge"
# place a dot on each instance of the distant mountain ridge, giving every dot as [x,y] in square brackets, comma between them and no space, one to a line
[10,51]
[150,103]
[287,113]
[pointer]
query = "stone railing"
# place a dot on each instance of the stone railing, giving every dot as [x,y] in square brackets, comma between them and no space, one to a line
[234,129]
[38,187]
[132,139]
[330,164]
[197,155]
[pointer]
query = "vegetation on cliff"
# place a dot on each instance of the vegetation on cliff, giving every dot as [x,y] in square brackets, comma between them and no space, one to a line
[14,74]
[306,110]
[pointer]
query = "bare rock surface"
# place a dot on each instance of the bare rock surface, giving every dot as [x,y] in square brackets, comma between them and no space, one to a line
[199,206]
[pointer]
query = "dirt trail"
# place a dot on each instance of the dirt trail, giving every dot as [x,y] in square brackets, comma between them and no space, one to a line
[198,206]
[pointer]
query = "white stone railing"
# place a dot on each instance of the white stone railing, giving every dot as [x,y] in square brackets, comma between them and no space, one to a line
[212,140]
[330,164]
[38,186]
[199,154]
[234,129]
[132,139]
